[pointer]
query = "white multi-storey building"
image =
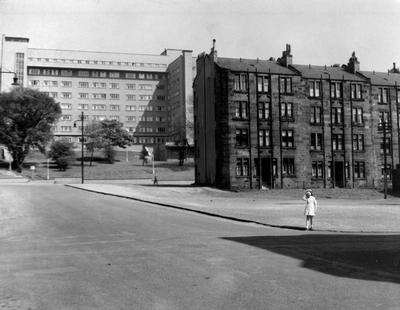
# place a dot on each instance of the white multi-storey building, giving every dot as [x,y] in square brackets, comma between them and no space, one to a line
[150,94]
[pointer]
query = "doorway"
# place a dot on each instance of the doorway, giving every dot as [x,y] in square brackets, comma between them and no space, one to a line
[267,171]
[339,174]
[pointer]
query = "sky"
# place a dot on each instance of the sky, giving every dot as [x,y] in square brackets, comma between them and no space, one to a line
[320,32]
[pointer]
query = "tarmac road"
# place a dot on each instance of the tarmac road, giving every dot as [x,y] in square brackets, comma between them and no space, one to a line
[62,248]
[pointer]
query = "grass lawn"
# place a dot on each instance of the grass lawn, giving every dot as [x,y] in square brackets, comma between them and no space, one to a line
[121,169]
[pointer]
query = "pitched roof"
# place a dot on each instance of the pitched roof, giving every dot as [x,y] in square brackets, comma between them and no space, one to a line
[382,78]
[253,65]
[333,73]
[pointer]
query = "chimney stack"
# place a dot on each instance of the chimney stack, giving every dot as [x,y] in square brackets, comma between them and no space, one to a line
[213,51]
[287,58]
[394,69]
[354,65]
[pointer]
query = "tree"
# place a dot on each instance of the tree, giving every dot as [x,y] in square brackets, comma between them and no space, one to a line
[62,153]
[106,135]
[26,119]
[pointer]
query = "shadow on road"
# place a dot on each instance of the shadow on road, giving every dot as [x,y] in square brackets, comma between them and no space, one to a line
[365,257]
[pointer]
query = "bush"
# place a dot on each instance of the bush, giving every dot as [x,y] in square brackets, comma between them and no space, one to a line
[62,153]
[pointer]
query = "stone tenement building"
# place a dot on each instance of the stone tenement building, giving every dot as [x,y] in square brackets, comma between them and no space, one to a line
[151,95]
[282,125]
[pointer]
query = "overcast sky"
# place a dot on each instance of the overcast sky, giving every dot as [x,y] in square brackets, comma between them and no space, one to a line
[319,31]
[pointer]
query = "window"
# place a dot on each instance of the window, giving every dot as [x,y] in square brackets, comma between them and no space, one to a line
[66,83]
[263,84]
[398,96]
[356,91]
[317,169]
[66,106]
[83,73]
[287,138]
[241,109]
[264,138]
[103,74]
[130,97]
[47,83]
[98,117]
[130,108]
[34,83]
[242,137]
[337,142]
[316,141]
[145,87]
[388,171]
[114,85]
[34,71]
[65,117]
[114,107]
[263,110]
[131,118]
[242,167]
[285,85]
[145,97]
[141,75]
[316,115]
[286,110]
[359,169]
[357,116]
[385,144]
[130,86]
[240,82]
[83,95]
[99,96]
[337,116]
[114,117]
[130,75]
[114,96]
[66,72]
[162,98]
[83,106]
[383,95]
[336,90]
[66,95]
[101,107]
[315,87]
[114,75]
[288,166]
[99,85]
[83,84]
[358,142]
[383,119]
[66,128]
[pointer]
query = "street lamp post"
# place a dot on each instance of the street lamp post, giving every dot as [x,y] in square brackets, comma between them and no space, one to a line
[82,145]
[384,161]
[15,78]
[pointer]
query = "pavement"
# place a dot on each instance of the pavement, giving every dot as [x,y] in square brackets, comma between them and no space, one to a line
[339,210]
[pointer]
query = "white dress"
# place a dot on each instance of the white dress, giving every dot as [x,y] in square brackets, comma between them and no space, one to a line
[311,205]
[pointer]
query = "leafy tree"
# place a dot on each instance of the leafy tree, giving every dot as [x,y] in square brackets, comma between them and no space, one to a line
[106,135]
[62,153]
[26,119]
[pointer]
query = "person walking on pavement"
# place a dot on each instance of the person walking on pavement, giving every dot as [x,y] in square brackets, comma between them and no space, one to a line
[310,208]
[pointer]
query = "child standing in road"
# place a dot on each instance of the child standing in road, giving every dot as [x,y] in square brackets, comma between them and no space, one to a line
[310,209]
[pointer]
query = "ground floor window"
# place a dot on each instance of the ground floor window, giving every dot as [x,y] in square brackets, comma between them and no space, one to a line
[317,169]
[288,166]
[388,171]
[242,167]
[359,169]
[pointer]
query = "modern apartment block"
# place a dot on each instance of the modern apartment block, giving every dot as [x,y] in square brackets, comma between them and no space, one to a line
[150,94]
[272,123]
